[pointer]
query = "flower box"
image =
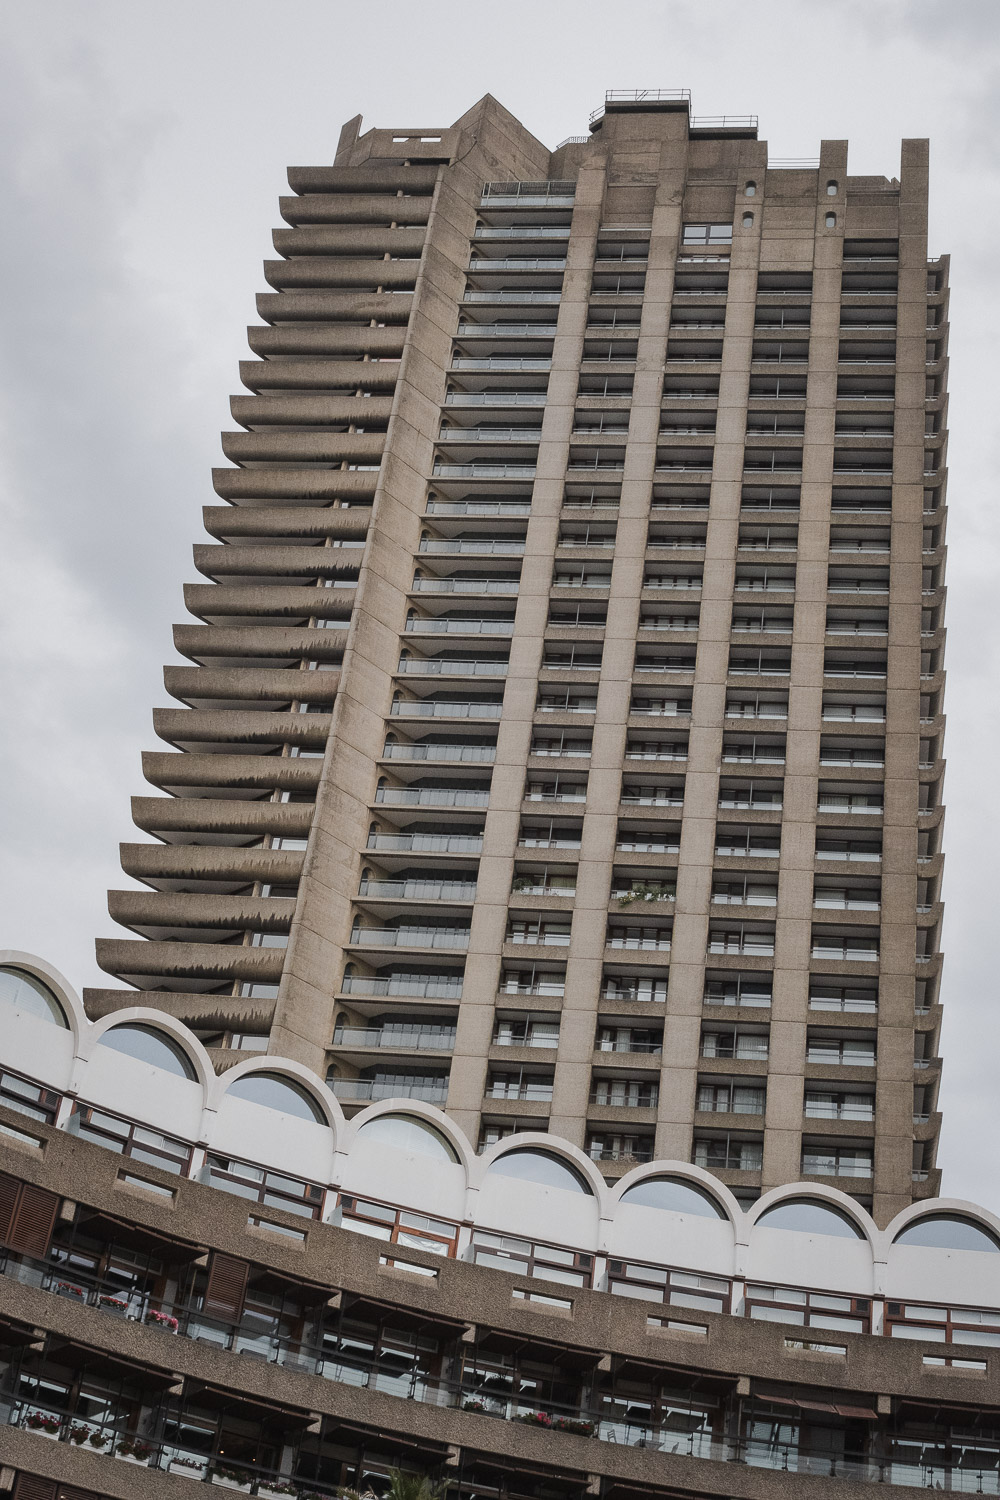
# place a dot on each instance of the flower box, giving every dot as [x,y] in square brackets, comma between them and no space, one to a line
[231,1484]
[535,1419]
[186,1470]
[130,1458]
[576,1425]
[277,1491]
[161,1320]
[113,1305]
[86,1437]
[70,1289]
[43,1425]
[474,1405]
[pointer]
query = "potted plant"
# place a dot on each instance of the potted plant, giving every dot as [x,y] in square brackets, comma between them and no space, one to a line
[161,1320]
[134,1451]
[191,1468]
[78,1433]
[99,1440]
[276,1487]
[117,1306]
[474,1403]
[43,1423]
[575,1425]
[231,1479]
[535,1419]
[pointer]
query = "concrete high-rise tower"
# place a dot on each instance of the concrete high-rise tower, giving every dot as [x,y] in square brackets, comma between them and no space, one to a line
[562,737]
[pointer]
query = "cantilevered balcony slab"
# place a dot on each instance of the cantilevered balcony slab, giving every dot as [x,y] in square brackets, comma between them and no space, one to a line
[344,240]
[219,1012]
[315,342]
[207,643]
[253,411]
[342,272]
[213,870]
[296,485]
[208,687]
[373,177]
[318,374]
[215,821]
[353,208]
[288,520]
[334,307]
[196,728]
[151,913]
[296,601]
[303,447]
[187,965]
[175,772]
[273,560]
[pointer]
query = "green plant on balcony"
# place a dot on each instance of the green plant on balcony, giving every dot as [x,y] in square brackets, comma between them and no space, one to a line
[643,890]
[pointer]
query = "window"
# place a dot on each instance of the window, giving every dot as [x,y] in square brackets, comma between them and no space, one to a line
[750,191]
[540,1167]
[526,1258]
[708,234]
[22,991]
[784,1304]
[28,1098]
[130,1139]
[943,1325]
[261,1186]
[280,1094]
[149,1045]
[381,1221]
[836,1161]
[657,1284]
[947,1232]
[748,221]
[676,1196]
[408,1133]
[831,190]
[831,221]
[808,1216]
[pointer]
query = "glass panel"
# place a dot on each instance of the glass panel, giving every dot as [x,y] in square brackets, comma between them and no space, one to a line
[148,1045]
[945,1232]
[22,991]
[409,1133]
[675,1195]
[807,1216]
[539,1166]
[272,1092]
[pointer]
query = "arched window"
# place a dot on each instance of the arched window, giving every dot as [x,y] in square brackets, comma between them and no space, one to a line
[541,1167]
[409,1133]
[748,221]
[750,191]
[832,189]
[22,991]
[808,1216]
[675,1195]
[274,1092]
[947,1232]
[149,1045]
[831,221]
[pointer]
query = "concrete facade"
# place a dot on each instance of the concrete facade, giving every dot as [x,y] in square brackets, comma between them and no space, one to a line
[600,494]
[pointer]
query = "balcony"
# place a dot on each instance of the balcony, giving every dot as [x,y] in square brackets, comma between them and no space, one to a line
[426,843]
[405,936]
[431,796]
[624,1093]
[368,1090]
[477,754]
[398,1038]
[406,985]
[445,708]
[418,890]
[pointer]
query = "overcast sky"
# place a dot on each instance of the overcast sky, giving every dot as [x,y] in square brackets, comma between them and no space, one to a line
[145,144]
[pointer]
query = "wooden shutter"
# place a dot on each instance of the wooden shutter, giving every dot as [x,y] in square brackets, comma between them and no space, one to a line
[32,1487]
[10,1191]
[31,1232]
[227,1284]
[27,1216]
